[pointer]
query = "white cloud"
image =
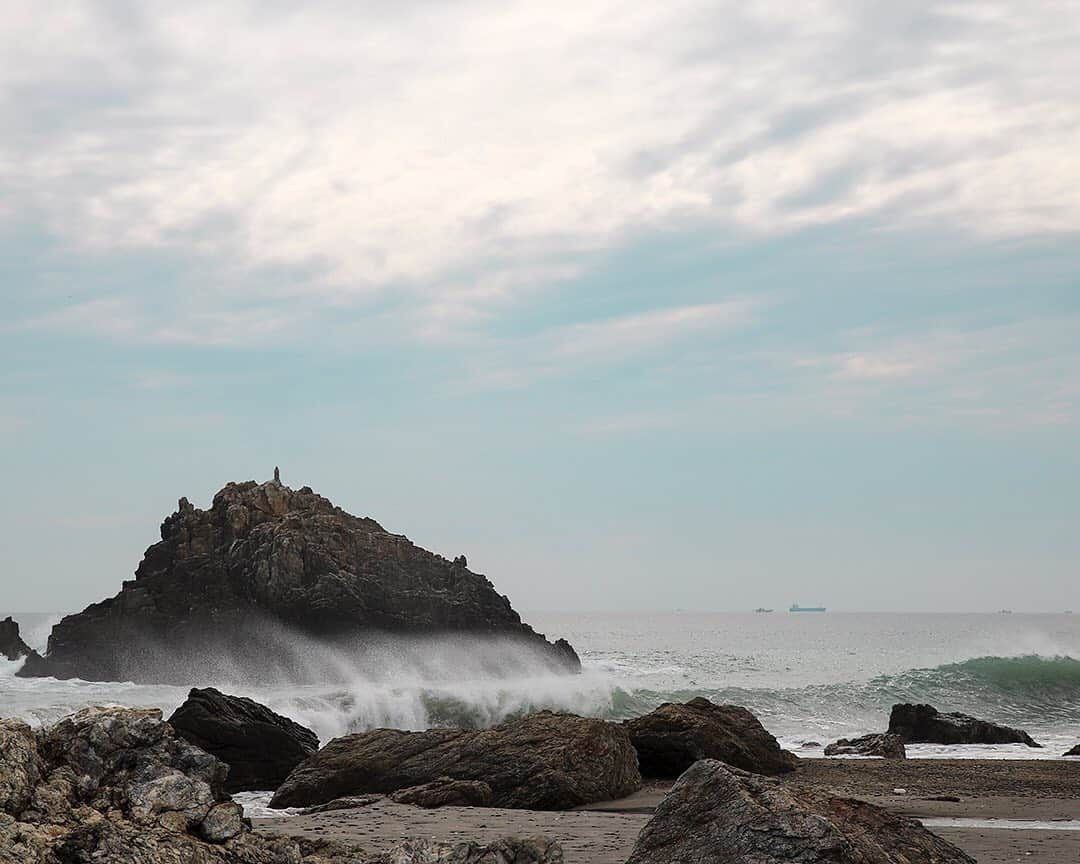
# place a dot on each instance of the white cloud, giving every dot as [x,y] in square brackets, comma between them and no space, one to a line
[465,151]
[575,348]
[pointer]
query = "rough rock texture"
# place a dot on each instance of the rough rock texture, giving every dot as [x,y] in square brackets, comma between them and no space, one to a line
[673,737]
[343,804]
[266,555]
[446,792]
[545,761]
[1074,752]
[722,814]
[115,785]
[511,850]
[11,644]
[884,745]
[259,746]
[925,724]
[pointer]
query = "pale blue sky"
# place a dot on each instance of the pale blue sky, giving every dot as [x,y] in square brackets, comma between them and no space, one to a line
[709,306]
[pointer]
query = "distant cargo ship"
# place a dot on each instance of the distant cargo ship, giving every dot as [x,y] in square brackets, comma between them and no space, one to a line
[795,607]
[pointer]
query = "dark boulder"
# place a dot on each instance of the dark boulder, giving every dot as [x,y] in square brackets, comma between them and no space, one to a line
[718,813]
[1074,752]
[545,761]
[446,792]
[225,582]
[885,746]
[259,746]
[11,644]
[674,736]
[924,724]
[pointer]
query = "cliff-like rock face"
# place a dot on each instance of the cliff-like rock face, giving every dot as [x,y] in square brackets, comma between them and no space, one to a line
[263,556]
[11,644]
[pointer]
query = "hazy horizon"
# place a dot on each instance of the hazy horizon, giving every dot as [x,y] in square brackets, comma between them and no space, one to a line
[704,305]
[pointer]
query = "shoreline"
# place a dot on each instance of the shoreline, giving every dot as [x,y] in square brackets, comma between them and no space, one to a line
[604,833]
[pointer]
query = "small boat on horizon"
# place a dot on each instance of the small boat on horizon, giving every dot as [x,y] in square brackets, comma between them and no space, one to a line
[795,607]
[762,609]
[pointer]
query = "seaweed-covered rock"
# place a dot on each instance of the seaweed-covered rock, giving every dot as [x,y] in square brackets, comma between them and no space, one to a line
[265,556]
[885,746]
[718,813]
[545,761]
[924,724]
[259,746]
[673,737]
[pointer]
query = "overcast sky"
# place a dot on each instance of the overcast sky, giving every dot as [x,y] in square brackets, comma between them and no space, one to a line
[638,305]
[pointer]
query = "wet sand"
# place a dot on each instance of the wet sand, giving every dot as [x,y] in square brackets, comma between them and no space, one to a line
[604,833]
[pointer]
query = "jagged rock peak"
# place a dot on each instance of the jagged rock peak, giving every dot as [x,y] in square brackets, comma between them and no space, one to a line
[266,554]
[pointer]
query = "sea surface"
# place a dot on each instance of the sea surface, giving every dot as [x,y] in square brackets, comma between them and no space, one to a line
[809,677]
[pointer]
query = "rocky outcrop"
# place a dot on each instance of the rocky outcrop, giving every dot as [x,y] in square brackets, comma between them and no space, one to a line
[924,724]
[446,792]
[718,813]
[266,556]
[673,737]
[11,644]
[1075,751]
[116,785]
[511,850]
[545,761]
[259,746]
[885,746]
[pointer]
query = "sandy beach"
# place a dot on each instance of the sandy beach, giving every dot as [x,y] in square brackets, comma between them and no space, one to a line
[604,833]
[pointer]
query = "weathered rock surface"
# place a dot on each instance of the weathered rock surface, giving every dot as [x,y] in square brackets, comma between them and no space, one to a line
[673,737]
[1075,751]
[545,761]
[259,746]
[446,792]
[11,644]
[511,850]
[718,813]
[343,804]
[266,555]
[884,745]
[924,724]
[115,785]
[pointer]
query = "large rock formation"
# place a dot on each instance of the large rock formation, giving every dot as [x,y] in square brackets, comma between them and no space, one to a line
[673,737]
[116,785]
[259,746]
[262,557]
[717,813]
[924,724]
[1075,751]
[545,761]
[11,644]
[885,746]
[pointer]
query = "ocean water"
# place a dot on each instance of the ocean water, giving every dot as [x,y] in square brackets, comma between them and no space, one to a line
[809,677]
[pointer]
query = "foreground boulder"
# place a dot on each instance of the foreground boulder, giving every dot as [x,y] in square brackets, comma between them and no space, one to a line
[673,737]
[545,761]
[115,785]
[885,746]
[1074,752]
[265,556]
[259,746]
[924,724]
[722,814]
[446,792]
[11,644]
